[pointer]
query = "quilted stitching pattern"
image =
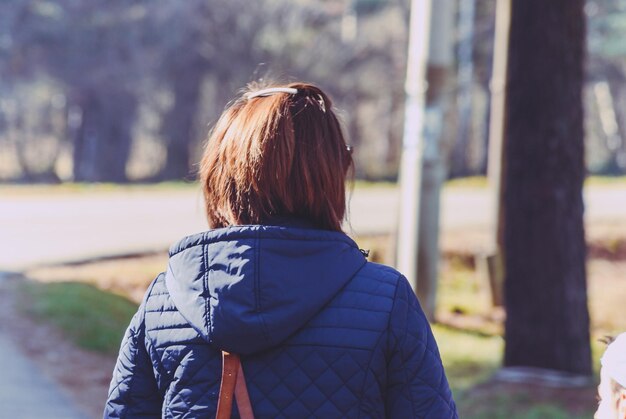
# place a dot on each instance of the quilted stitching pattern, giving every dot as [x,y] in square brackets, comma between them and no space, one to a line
[369,353]
[415,367]
[134,391]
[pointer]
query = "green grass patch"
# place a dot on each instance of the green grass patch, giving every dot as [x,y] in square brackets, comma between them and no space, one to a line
[618,181]
[92,318]
[460,289]
[506,406]
[468,358]
[477,182]
[472,182]
[482,182]
[71,188]
[369,184]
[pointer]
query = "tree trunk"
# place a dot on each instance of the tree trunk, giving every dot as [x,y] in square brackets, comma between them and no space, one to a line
[179,122]
[619,95]
[547,322]
[103,139]
[459,165]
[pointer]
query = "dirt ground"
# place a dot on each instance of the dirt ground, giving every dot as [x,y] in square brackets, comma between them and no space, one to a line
[88,378]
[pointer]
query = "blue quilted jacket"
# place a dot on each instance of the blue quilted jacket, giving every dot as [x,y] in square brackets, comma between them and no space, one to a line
[321,332]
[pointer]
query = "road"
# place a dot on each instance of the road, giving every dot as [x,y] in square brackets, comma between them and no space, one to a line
[56,228]
[25,393]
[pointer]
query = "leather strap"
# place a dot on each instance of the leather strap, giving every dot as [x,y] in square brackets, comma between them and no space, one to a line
[242,397]
[230,367]
[233,384]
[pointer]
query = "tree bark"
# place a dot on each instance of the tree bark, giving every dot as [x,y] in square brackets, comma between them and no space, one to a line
[547,322]
[178,123]
[103,139]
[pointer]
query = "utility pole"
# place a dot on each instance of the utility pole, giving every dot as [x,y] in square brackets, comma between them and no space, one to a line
[422,171]
[495,257]
[412,144]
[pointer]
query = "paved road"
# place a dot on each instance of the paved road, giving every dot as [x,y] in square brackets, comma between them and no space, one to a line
[25,393]
[59,228]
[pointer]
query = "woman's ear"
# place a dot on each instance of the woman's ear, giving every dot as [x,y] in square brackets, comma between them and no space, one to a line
[621,404]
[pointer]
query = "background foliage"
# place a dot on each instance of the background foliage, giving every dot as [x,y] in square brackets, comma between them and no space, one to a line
[125,90]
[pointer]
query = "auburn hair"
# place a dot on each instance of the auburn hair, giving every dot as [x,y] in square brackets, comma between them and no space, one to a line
[279,155]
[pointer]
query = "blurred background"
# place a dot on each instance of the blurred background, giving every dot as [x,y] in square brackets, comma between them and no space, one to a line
[104,109]
[124,91]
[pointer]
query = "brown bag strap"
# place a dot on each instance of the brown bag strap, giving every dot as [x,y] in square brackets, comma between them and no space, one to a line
[230,367]
[233,384]
[241,395]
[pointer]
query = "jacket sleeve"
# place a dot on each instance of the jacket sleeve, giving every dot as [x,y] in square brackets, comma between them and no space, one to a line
[133,392]
[416,382]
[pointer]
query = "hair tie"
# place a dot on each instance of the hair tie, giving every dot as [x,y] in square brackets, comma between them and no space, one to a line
[270,91]
[309,98]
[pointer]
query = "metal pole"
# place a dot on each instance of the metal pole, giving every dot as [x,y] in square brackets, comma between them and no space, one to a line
[495,257]
[423,171]
[412,142]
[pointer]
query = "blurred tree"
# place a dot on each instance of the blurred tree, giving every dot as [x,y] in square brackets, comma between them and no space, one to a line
[239,41]
[547,321]
[607,63]
[364,7]
[181,68]
[465,75]
[36,127]
[468,153]
[183,61]
[89,49]
[204,41]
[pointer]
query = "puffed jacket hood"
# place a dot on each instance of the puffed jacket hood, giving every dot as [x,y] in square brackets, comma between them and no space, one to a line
[321,332]
[245,289]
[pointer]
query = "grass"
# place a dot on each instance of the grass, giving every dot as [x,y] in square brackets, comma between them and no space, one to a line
[122,276]
[71,188]
[618,181]
[461,290]
[517,407]
[369,184]
[474,182]
[93,319]
[468,357]
[482,182]
[471,182]
[471,359]
[478,182]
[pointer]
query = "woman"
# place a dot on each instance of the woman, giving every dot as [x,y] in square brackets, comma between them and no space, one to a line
[321,331]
